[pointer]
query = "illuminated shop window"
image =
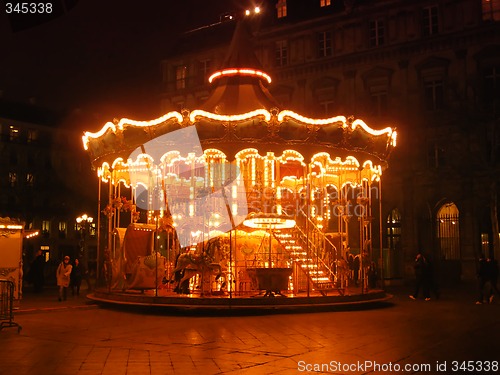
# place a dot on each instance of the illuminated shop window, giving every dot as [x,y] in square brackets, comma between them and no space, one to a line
[447,221]
[491,10]
[281,53]
[377,33]
[281,8]
[430,20]
[325,3]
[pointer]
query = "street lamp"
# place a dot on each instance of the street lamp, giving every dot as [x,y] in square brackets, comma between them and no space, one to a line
[83,223]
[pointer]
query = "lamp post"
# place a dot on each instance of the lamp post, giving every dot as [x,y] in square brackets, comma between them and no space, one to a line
[83,224]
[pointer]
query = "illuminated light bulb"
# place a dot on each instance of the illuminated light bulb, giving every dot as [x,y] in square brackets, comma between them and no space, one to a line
[257,10]
[247,12]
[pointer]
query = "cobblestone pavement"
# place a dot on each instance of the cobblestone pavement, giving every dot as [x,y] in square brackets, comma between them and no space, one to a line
[74,337]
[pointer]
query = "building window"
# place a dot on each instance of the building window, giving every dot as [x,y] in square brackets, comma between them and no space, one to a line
[430,20]
[13,133]
[281,9]
[377,33]
[436,156]
[325,3]
[180,77]
[13,158]
[325,44]
[63,229]
[92,230]
[394,229]
[281,53]
[434,94]
[45,228]
[448,231]
[32,136]
[378,103]
[205,69]
[485,243]
[491,10]
[30,179]
[491,78]
[12,179]
[30,160]
[327,107]
[179,106]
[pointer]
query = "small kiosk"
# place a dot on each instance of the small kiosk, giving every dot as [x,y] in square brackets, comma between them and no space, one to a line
[11,253]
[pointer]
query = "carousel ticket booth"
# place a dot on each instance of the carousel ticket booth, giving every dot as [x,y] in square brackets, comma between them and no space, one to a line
[11,254]
[239,196]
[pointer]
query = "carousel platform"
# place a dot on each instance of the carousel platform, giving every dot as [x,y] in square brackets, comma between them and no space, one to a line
[353,299]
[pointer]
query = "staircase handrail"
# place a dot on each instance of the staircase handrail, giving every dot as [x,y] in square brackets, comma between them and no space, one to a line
[324,237]
[303,235]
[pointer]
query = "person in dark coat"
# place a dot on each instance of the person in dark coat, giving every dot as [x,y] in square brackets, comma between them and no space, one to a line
[76,278]
[492,275]
[482,278]
[36,273]
[421,277]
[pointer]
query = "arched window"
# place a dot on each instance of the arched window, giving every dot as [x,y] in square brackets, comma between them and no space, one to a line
[448,231]
[394,230]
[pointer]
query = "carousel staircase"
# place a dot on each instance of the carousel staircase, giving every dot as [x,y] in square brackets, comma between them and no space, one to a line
[295,242]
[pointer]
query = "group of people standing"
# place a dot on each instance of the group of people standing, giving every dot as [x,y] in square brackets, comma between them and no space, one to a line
[68,275]
[71,276]
[487,273]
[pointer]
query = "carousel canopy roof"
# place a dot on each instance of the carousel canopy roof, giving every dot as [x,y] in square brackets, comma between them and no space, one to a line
[240,81]
[241,114]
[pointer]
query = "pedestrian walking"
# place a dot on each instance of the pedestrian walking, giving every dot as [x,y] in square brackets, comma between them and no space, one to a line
[63,277]
[76,278]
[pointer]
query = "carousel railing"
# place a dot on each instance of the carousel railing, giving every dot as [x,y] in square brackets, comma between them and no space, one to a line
[311,261]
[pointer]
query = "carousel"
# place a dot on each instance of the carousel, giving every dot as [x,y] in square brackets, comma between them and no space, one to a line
[240,202]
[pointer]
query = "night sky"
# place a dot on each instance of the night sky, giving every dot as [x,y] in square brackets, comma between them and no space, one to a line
[101,59]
